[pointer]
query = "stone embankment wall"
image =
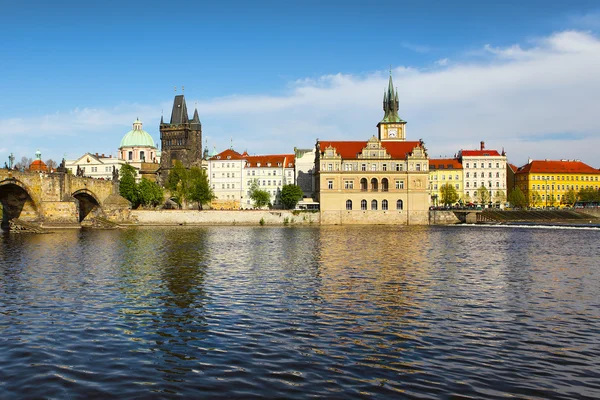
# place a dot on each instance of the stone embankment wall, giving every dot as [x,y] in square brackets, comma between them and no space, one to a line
[214,217]
[443,217]
[389,217]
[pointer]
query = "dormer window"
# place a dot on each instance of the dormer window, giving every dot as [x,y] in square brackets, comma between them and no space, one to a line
[268,164]
[229,157]
[258,164]
[218,157]
[279,164]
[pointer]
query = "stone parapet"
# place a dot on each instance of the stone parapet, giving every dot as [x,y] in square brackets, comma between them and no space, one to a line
[225,217]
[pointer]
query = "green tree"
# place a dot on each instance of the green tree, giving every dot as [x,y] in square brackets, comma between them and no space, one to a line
[199,188]
[535,198]
[589,195]
[291,195]
[127,186]
[569,198]
[482,195]
[178,183]
[499,197]
[150,193]
[260,197]
[517,199]
[449,194]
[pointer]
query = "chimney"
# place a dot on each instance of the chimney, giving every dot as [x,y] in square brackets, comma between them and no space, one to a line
[102,155]
[482,145]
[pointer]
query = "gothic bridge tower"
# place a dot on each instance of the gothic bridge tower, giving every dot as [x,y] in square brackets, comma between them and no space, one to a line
[181,138]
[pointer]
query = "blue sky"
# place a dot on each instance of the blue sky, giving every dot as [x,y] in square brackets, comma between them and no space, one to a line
[271,75]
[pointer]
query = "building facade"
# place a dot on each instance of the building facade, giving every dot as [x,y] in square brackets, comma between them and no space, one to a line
[445,171]
[382,180]
[484,168]
[232,174]
[181,138]
[305,171]
[95,166]
[137,146]
[546,182]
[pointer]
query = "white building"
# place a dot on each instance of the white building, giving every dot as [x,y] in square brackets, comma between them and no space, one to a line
[486,168]
[95,165]
[231,175]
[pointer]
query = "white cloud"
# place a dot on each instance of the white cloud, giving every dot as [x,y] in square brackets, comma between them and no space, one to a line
[537,99]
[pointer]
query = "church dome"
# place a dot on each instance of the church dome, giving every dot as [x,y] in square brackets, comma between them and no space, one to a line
[137,137]
[38,164]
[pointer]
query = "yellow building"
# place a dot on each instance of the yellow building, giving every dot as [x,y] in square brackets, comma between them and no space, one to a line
[545,182]
[379,181]
[444,171]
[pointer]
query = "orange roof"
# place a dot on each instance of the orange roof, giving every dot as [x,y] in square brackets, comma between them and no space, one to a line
[444,163]
[38,165]
[479,153]
[557,167]
[286,160]
[228,154]
[351,149]
[513,167]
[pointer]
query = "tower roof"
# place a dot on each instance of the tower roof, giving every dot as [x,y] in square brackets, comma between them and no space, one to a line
[179,115]
[391,103]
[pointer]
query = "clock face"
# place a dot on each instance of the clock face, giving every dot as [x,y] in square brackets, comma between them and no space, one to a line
[392,132]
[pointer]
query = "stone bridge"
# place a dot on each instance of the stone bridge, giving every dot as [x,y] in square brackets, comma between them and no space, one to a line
[59,199]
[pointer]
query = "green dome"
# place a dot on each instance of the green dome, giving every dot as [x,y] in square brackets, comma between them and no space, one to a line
[137,137]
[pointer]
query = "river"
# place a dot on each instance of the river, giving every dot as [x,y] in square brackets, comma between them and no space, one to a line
[283,312]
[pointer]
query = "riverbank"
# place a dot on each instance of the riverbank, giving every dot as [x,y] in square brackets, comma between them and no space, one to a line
[224,217]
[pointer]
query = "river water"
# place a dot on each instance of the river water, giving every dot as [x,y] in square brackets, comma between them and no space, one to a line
[335,312]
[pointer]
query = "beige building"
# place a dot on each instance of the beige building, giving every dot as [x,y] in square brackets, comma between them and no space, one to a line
[379,181]
[487,168]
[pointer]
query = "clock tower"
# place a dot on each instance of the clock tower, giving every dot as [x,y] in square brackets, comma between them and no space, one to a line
[391,127]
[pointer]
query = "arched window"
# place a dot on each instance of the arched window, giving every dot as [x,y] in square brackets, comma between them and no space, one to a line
[384,185]
[363,204]
[363,184]
[373,204]
[348,204]
[374,184]
[399,205]
[142,156]
[384,205]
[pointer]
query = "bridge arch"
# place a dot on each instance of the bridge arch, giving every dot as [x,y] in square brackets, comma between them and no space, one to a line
[17,202]
[88,203]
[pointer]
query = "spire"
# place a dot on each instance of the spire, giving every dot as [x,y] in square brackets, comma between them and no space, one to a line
[179,115]
[391,103]
[196,118]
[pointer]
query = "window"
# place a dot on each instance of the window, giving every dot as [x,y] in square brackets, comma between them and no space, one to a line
[228,174]
[474,174]
[456,177]
[497,184]
[490,165]
[467,175]
[373,204]
[329,167]
[329,184]
[363,184]
[456,186]
[399,205]
[490,175]
[347,167]
[443,177]
[374,184]
[363,167]
[467,165]
[363,204]
[373,167]
[467,184]
[399,184]
[418,167]
[142,156]
[130,155]
[384,205]
[348,204]
[497,165]
[384,167]
[435,187]
[384,185]
[482,165]
[253,173]
[348,184]
[233,174]
[497,174]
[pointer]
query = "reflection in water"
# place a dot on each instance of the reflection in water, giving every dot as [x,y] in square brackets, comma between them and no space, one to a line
[422,312]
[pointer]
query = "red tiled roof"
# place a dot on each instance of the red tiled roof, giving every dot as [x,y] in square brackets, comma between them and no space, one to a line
[273,159]
[479,153]
[513,167]
[351,149]
[444,163]
[232,154]
[557,167]
[38,165]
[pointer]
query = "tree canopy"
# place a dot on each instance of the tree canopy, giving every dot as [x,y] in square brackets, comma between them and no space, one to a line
[517,199]
[291,195]
[589,195]
[199,187]
[261,198]
[449,194]
[482,195]
[150,193]
[127,186]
